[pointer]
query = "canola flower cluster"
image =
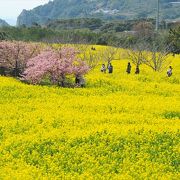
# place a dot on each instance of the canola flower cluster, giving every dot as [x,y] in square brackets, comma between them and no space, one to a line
[119,127]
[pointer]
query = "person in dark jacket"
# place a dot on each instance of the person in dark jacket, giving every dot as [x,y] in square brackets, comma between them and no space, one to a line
[137,70]
[128,70]
[77,80]
[110,68]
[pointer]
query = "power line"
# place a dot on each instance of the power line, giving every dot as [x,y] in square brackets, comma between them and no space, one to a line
[157,16]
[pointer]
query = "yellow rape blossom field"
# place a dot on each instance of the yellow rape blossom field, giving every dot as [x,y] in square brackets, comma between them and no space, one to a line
[118,127]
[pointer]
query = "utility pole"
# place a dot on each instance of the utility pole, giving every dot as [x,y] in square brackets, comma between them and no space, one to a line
[157,16]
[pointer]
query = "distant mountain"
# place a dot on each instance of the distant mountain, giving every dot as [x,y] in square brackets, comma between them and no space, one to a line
[3,23]
[105,9]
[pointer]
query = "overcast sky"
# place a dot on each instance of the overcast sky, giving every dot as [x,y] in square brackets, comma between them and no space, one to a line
[10,9]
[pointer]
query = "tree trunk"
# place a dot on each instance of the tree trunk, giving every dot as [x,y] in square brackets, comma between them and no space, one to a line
[16,69]
[61,82]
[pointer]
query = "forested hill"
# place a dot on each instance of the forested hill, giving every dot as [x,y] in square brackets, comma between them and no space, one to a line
[106,9]
[3,23]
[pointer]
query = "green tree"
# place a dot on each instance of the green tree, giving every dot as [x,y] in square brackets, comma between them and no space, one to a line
[174,40]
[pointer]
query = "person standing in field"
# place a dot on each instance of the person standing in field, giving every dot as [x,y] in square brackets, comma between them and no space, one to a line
[128,70]
[103,68]
[82,81]
[169,71]
[137,70]
[77,80]
[110,68]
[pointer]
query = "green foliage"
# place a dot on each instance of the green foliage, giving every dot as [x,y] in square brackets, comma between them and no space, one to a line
[80,23]
[172,115]
[27,34]
[3,35]
[174,40]
[37,34]
[94,31]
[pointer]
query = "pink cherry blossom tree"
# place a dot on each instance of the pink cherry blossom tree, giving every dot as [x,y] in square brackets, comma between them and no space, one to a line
[55,64]
[14,55]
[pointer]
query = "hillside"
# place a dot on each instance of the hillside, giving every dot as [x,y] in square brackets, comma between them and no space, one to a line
[3,23]
[118,127]
[94,24]
[106,9]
